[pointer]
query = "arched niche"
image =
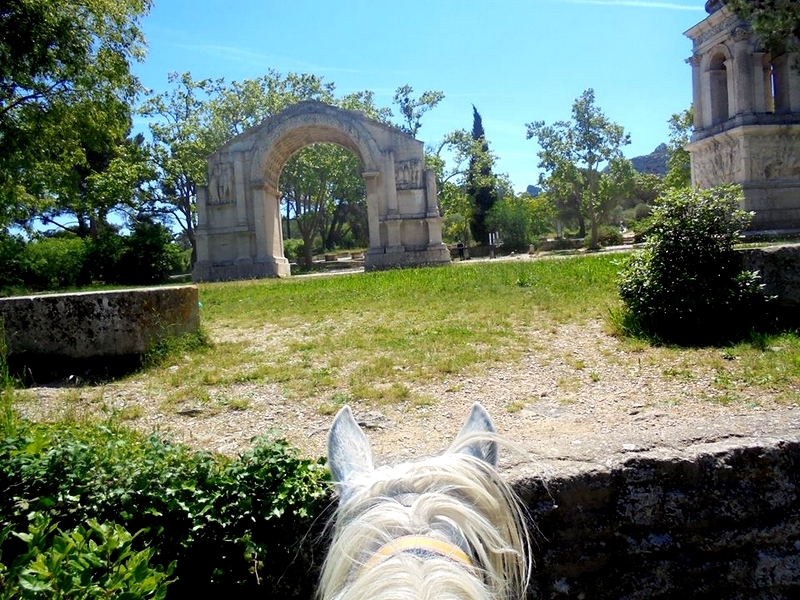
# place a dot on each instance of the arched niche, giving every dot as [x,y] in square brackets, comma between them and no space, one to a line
[239,232]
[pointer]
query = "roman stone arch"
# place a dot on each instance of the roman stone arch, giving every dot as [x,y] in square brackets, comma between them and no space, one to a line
[239,233]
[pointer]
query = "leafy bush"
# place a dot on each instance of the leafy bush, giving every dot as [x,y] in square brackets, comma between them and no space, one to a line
[149,255]
[687,285]
[294,249]
[609,236]
[12,264]
[519,220]
[642,211]
[103,256]
[92,561]
[54,263]
[228,524]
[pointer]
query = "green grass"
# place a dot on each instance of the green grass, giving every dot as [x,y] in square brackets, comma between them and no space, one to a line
[369,336]
[377,338]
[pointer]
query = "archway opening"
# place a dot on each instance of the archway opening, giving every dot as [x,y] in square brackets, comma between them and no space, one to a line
[323,202]
[718,80]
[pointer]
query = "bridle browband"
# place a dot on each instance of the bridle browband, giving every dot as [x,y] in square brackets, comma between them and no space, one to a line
[418,545]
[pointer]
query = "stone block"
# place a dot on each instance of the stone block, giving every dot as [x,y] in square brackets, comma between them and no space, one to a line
[62,329]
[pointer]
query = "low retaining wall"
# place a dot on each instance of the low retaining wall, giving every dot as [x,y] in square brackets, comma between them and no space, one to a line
[722,524]
[779,267]
[59,329]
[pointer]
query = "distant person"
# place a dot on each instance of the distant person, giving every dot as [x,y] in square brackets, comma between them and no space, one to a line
[460,246]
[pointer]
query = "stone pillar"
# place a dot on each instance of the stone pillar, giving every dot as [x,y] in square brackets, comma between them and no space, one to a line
[793,61]
[697,96]
[260,218]
[371,180]
[239,189]
[743,72]
[762,83]
[780,69]
[201,233]
[272,218]
[393,222]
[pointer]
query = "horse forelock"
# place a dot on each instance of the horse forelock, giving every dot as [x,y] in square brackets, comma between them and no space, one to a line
[455,498]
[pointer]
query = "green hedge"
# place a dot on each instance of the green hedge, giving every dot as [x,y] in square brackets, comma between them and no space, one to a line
[244,527]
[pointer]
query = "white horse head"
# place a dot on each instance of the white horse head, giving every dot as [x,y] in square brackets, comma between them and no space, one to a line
[446,527]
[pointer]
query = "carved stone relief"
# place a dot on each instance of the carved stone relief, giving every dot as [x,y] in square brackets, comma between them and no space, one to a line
[408,174]
[221,183]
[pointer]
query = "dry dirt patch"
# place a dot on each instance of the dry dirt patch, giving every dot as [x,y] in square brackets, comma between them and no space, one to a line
[577,397]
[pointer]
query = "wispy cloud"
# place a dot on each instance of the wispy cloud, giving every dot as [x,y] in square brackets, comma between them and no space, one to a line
[641,4]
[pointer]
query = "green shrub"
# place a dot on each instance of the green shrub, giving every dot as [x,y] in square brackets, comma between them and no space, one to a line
[294,249]
[147,257]
[103,256]
[12,264]
[55,263]
[92,561]
[609,236]
[228,525]
[687,286]
[642,211]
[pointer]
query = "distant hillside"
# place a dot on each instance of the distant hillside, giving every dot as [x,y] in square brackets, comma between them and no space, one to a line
[654,163]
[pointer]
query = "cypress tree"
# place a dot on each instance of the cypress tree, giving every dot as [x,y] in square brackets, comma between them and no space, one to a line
[480,180]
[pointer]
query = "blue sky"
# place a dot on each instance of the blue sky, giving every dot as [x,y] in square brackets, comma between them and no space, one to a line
[516,61]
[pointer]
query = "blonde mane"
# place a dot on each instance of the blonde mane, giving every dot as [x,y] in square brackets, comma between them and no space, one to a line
[455,505]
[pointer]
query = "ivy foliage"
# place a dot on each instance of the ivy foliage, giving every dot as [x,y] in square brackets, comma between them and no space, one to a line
[240,526]
[687,286]
[92,561]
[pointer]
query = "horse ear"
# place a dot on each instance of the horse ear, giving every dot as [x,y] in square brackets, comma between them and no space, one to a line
[479,425]
[349,451]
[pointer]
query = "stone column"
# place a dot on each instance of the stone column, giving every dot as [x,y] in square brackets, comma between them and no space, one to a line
[697,94]
[743,72]
[780,69]
[269,260]
[762,83]
[793,61]
[260,219]
[201,233]
[393,235]
[371,179]
[239,190]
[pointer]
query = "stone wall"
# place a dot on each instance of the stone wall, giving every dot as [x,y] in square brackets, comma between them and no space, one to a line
[779,267]
[721,524]
[60,330]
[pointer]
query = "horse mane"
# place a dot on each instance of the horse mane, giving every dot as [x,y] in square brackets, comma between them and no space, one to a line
[455,498]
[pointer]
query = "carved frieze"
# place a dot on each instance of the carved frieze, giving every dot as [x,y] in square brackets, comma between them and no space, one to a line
[719,161]
[221,183]
[408,174]
[775,158]
[724,25]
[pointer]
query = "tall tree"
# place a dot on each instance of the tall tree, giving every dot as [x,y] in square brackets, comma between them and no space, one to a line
[182,139]
[584,155]
[481,183]
[679,167]
[412,110]
[65,83]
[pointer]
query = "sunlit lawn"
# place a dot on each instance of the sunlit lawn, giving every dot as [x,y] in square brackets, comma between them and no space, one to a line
[371,336]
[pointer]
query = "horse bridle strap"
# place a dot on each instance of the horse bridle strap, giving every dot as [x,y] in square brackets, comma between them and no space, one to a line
[418,545]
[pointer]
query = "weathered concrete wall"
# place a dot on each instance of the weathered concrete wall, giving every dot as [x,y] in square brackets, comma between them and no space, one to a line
[98,324]
[721,524]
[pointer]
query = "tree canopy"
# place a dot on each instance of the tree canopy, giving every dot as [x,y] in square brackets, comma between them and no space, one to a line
[776,21]
[583,159]
[65,96]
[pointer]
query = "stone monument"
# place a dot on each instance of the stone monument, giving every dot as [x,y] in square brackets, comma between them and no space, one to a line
[239,233]
[746,103]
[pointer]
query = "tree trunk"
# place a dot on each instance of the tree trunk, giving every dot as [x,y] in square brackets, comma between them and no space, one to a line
[581,225]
